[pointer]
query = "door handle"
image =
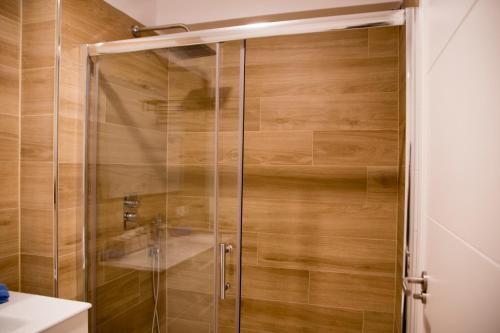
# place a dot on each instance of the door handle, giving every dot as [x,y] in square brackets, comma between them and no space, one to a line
[223,249]
[423,281]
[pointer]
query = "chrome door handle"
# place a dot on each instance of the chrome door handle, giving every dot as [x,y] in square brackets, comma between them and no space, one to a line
[223,249]
[423,281]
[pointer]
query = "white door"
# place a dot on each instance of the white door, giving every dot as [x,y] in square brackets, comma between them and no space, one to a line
[458,204]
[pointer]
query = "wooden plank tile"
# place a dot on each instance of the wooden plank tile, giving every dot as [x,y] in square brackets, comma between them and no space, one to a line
[344,76]
[330,112]
[249,249]
[9,90]
[177,325]
[191,148]
[194,274]
[39,44]
[275,284]
[308,47]
[278,148]
[354,291]
[36,274]
[9,183]
[11,9]
[67,278]
[378,322]
[11,36]
[70,219]
[116,296]
[382,179]
[70,140]
[130,107]
[36,185]
[323,219]
[383,41]
[70,185]
[9,271]
[326,184]
[280,317]
[9,138]
[37,95]
[35,11]
[36,138]
[36,232]
[189,305]
[130,145]
[9,229]
[189,212]
[356,148]
[311,252]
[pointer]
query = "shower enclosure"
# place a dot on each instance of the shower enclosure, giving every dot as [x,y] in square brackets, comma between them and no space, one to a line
[166,245]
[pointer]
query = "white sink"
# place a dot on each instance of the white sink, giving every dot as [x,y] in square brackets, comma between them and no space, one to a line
[9,324]
[26,313]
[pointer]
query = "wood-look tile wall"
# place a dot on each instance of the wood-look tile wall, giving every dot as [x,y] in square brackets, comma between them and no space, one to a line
[131,159]
[10,40]
[81,22]
[37,118]
[401,181]
[321,182]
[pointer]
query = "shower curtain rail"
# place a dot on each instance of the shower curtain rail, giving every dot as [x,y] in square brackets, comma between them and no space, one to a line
[255,30]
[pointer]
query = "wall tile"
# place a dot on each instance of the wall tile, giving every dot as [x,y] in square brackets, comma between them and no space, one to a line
[328,112]
[37,138]
[36,185]
[278,317]
[9,137]
[9,229]
[9,182]
[9,271]
[327,253]
[37,95]
[273,284]
[354,291]
[36,274]
[356,147]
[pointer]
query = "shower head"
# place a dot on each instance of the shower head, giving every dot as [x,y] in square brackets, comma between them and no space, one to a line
[193,51]
[184,52]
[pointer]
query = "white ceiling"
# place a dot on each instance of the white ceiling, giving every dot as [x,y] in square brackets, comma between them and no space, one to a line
[153,12]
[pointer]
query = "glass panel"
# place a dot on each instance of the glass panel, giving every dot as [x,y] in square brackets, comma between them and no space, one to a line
[152,203]
[230,155]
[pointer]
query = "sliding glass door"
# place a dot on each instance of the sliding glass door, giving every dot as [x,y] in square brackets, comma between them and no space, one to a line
[163,217]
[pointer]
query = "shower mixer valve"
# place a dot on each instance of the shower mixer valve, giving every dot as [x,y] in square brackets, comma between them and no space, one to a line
[130,205]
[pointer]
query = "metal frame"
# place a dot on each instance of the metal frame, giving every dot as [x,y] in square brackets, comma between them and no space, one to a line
[55,154]
[241,33]
[257,30]
[412,157]
[216,275]
[241,130]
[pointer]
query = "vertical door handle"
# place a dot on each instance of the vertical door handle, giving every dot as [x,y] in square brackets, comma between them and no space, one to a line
[223,249]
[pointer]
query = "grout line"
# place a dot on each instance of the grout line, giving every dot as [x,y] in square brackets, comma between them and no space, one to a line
[20,73]
[467,244]
[452,35]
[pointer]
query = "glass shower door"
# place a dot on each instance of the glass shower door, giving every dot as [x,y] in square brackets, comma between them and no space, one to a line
[164,176]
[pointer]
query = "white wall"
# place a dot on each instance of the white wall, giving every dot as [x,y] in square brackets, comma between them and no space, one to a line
[143,11]
[194,11]
[151,12]
[460,82]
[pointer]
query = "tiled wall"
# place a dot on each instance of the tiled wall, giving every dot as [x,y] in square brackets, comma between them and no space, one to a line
[401,180]
[37,118]
[321,182]
[81,22]
[10,39]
